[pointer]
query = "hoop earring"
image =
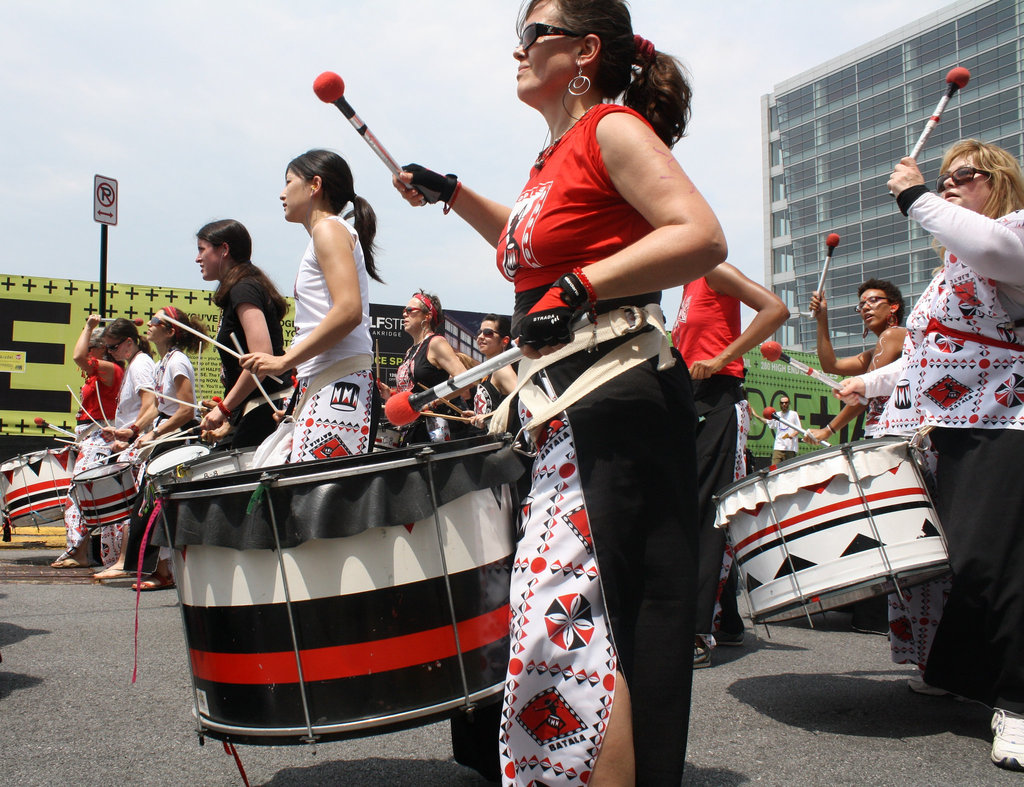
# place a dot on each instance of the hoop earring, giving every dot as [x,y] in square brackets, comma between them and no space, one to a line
[891,320]
[579,84]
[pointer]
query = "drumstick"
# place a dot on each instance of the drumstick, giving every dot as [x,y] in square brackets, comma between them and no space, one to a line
[770,412]
[40,422]
[955,79]
[69,442]
[831,241]
[177,434]
[456,409]
[206,338]
[256,379]
[169,398]
[445,417]
[82,407]
[376,357]
[772,351]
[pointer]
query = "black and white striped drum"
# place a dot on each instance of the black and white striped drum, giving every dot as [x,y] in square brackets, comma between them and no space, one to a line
[345,597]
[833,527]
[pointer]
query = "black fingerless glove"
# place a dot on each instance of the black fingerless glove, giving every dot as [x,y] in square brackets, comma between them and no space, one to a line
[432,185]
[549,322]
[909,196]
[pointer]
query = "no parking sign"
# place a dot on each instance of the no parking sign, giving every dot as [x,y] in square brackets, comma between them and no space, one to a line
[104,200]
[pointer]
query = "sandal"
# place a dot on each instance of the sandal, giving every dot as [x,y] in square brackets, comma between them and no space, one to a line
[113,573]
[68,562]
[155,582]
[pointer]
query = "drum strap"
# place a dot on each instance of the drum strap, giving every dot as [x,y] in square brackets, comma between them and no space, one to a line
[611,325]
[335,371]
[277,396]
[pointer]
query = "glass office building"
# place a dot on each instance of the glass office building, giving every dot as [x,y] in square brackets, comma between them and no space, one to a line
[831,138]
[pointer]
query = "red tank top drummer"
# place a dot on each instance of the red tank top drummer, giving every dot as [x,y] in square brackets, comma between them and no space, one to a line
[707,323]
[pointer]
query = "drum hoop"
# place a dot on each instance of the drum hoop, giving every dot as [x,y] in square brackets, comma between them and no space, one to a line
[170,488]
[117,468]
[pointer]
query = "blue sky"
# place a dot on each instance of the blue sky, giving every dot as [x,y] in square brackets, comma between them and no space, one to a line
[196,108]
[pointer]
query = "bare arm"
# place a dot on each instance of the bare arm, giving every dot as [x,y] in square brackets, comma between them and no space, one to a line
[484,215]
[771,312]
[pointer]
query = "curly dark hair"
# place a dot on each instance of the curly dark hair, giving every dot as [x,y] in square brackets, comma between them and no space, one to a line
[892,293]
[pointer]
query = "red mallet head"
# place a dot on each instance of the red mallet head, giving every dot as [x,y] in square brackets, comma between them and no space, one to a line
[329,87]
[768,413]
[40,421]
[398,410]
[958,76]
[138,321]
[771,350]
[832,240]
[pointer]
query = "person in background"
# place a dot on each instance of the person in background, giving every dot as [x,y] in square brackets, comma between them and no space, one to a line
[252,309]
[492,339]
[787,436]
[336,413]
[709,336]
[99,403]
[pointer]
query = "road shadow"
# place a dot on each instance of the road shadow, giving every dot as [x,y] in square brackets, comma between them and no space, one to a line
[11,633]
[11,682]
[380,771]
[712,777]
[858,703]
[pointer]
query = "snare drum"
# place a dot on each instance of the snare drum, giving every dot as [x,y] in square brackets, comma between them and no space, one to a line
[234,460]
[105,494]
[361,589]
[34,487]
[833,527]
[172,460]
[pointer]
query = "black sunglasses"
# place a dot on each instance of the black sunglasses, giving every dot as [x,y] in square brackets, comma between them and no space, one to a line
[488,332]
[112,347]
[959,176]
[535,30]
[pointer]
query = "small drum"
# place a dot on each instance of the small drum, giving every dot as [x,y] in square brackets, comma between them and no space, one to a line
[105,494]
[833,527]
[171,460]
[34,487]
[332,599]
[216,463]
[388,438]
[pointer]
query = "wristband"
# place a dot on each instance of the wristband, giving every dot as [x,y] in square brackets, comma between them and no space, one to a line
[223,409]
[909,196]
[830,429]
[135,430]
[591,294]
[448,205]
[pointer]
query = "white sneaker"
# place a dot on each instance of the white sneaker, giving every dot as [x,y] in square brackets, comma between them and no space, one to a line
[1008,740]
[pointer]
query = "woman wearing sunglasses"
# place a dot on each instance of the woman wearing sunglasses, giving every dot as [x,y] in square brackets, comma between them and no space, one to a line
[332,352]
[962,373]
[430,361]
[493,338]
[607,219]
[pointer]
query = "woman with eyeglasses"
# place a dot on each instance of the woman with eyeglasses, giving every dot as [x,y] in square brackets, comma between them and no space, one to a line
[99,402]
[880,304]
[159,417]
[492,339]
[131,418]
[962,374]
[607,219]
[332,352]
[252,310]
[431,360]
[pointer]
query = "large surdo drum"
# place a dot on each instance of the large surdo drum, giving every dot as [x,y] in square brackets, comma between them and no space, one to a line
[34,487]
[833,527]
[345,597]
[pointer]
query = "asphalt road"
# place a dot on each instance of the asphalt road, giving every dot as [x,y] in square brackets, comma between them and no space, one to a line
[805,706]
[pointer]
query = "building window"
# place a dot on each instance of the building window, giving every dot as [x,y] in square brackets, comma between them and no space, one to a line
[780,224]
[782,259]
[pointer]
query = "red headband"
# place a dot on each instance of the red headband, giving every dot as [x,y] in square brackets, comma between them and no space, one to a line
[430,306]
[174,314]
[644,50]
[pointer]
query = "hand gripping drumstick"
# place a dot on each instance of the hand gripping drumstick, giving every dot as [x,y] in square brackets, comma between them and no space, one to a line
[82,407]
[206,338]
[831,241]
[771,414]
[238,344]
[955,79]
[41,423]
[404,407]
[330,88]
[772,351]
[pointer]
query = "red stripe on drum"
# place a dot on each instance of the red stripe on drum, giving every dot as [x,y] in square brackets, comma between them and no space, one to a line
[855,502]
[347,661]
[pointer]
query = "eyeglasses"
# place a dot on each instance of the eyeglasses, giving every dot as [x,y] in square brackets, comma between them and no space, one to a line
[869,303]
[156,322]
[412,310]
[959,176]
[535,30]
[112,347]
[784,401]
[488,332]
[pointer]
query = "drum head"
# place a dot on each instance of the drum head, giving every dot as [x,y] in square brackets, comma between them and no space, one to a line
[103,471]
[174,457]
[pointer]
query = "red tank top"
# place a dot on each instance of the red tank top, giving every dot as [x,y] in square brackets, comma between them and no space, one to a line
[91,401]
[569,214]
[707,323]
